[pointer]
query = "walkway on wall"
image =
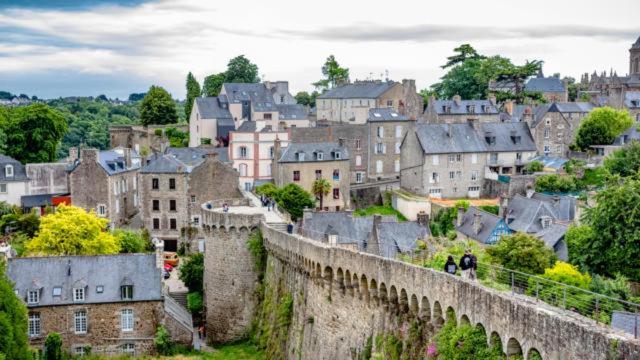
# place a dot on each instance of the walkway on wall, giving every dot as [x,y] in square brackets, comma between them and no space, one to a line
[271,217]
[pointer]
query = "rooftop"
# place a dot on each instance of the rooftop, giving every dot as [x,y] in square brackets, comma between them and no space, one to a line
[464,107]
[292,112]
[385,114]
[212,108]
[313,152]
[182,160]
[19,171]
[359,90]
[545,84]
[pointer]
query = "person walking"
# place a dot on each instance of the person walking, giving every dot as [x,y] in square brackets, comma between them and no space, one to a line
[268,204]
[450,266]
[474,267]
[466,264]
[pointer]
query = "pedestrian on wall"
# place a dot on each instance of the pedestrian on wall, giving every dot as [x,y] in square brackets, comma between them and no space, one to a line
[474,267]
[268,204]
[466,264]
[225,207]
[450,266]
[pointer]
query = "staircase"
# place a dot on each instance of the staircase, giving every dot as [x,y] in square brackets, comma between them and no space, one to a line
[180,297]
[280,226]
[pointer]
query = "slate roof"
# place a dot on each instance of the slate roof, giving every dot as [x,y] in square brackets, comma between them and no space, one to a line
[545,84]
[182,160]
[561,107]
[112,161]
[292,112]
[211,108]
[247,126]
[488,223]
[632,99]
[385,114]
[551,161]
[524,214]
[19,171]
[69,272]
[399,237]
[462,107]
[465,138]
[289,154]
[629,135]
[636,44]
[29,201]
[359,90]
[260,98]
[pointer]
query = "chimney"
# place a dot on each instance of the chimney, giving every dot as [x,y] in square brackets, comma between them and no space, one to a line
[89,154]
[276,149]
[474,123]
[492,99]
[449,130]
[477,223]
[422,218]
[126,153]
[457,99]
[508,107]
[159,246]
[460,216]
[504,204]
[530,191]
[341,142]
[73,154]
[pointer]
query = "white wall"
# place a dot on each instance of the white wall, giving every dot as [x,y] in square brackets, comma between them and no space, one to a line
[15,190]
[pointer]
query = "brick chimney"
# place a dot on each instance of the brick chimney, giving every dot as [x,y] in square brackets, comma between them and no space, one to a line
[422,218]
[460,216]
[504,205]
[73,154]
[508,107]
[89,154]
[457,99]
[126,153]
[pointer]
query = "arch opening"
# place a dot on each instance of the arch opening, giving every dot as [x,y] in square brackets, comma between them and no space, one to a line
[425,309]
[513,347]
[340,280]
[464,320]
[534,354]
[364,289]
[348,285]
[393,299]
[438,319]
[404,301]
[328,279]
[384,299]
[414,308]
[373,292]
[451,315]
[356,285]
[495,341]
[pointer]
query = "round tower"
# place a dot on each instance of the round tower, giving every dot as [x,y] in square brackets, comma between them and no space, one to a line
[634,58]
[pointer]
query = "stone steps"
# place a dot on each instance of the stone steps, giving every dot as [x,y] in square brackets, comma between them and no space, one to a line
[180,297]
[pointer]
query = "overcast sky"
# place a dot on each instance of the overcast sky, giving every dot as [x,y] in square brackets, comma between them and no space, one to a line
[60,48]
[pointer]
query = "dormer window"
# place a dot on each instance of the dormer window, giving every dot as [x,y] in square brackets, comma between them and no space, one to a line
[300,156]
[33,297]
[126,292]
[490,139]
[319,156]
[517,139]
[546,222]
[78,295]
[8,171]
[337,155]
[471,109]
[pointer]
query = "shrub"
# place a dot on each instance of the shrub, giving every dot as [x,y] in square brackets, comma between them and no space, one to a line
[195,303]
[192,272]
[556,183]
[163,343]
[131,241]
[158,132]
[535,166]
[53,347]
[267,189]
[522,252]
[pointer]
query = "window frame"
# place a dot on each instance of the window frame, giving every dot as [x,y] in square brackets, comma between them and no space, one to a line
[8,173]
[126,292]
[173,224]
[33,297]
[172,183]
[34,326]
[127,320]
[296,175]
[155,184]
[79,295]
[80,321]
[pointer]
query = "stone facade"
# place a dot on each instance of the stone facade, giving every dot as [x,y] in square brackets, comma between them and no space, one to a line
[139,137]
[48,178]
[554,126]
[384,149]
[457,110]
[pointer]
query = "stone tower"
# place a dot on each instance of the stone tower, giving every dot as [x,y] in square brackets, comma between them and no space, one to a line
[634,58]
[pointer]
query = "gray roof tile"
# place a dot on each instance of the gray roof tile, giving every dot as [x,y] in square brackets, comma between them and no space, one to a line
[385,114]
[112,161]
[480,107]
[210,108]
[328,149]
[545,84]
[359,90]
[488,222]
[260,98]
[292,112]
[182,160]
[399,237]
[19,171]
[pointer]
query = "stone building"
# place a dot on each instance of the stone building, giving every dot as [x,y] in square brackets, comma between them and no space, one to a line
[14,182]
[457,110]
[555,125]
[142,139]
[350,103]
[303,163]
[453,160]
[251,149]
[173,185]
[111,304]
[49,178]
[552,89]
[106,182]
[387,128]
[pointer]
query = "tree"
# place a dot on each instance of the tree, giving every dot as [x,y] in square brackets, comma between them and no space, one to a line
[294,200]
[334,75]
[73,231]
[464,52]
[131,241]
[192,272]
[13,322]
[212,84]
[53,347]
[614,240]
[522,252]
[624,161]
[241,70]
[304,98]
[193,91]
[517,75]
[554,183]
[535,166]
[470,79]
[158,108]
[268,190]
[33,133]
[163,343]
[320,189]
[136,96]
[601,126]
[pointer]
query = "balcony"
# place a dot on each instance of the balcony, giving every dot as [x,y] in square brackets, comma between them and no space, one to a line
[490,175]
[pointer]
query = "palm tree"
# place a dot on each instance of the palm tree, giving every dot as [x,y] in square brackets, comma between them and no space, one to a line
[321,187]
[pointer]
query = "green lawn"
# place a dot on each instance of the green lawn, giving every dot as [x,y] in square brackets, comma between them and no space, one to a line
[380,210]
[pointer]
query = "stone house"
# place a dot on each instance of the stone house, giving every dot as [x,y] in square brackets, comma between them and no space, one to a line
[251,149]
[113,311]
[453,160]
[14,182]
[49,178]
[350,103]
[553,89]
[387,128]
[555,125]
[632,104]
[303,163]
[141,138]
[173,186]
[106,182]
[457,110]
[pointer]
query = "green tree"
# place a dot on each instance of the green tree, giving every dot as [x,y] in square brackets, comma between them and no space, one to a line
[195,303]
[553,183]
[517,75]
[267,189]
[131,241]
[535,166]
[522,252]
[601,126]
[464,52]
[334,75]
[33,133]
[163,343]
[193,91]
[320,189]
[294,200]
[13,322]
[192,272]
[53,347]
[158,108]
[577,238]
[304,98]
[624,161]
[136,96]
[241,70]
[212,84]
[73,231]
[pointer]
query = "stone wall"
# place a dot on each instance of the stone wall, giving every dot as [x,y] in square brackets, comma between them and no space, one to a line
[48,178]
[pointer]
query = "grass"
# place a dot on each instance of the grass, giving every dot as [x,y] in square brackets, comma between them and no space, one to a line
[234,351]
[380,210]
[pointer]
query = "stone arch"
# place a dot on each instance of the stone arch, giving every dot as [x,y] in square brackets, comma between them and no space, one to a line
[513,347]
[347,278]
[495,341]
[404,301]
[425,309]
[393,299]
[318,273]
[231,229]
[373,292]
[384,298]
[356,285]
[464,320]
[364,289]
[414,308]
[450,315]
[340,280]
[437,317]
[327,278]
[534,354]
[480,327]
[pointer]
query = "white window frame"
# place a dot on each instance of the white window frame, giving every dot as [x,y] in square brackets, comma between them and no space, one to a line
[117,206]
[435,159]
[474,158]
[57,291]
[33,296]
[195,220]
[397,148]
[79,295]
[8,170]
[474,175]
[398,131]
[102,210]
[359,177]
[3,188]
[126,292]
[129,348]
[380,131]
[396,165]
[358,160]
[320,156]
[80,350]
[35,326]
[80,321]
[126,320]
[379,166]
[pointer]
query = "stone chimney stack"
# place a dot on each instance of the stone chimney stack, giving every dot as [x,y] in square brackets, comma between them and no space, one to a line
[459,216]
[504,204]
[477,223]
[508,107]
[422,218]
[73,154]
[89,154]
[126,153]
[457,99]
[492,99]
[159,247]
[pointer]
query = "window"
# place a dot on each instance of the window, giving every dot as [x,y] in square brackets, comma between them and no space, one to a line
[474,158]
[193,199]
[80,320]
[458,157]
[271,152]
[57,291]
[319,156]
[296,175]
[172,205]
[318,174]
[474,188]
[519,156]
[267,116]
[78,294]
[117,206]
[379,166]
[115,189]
[547,149]
[389,103]
[195,220]
[156,205]
[8,171]
[358,160]
[129,348]
[156,223]
[435,191]
[359,177]
[99,289]
[452,175]
[126,320]
[3,188]
[33,296]
[300,156]
[452,158]
[135,199]
[380,148]
[358,144]
[126,292]
[155,184]
[493,158]
[396,165]
[337,155]
[459,175]
[173,224]
[434,177]
[243,169]
[172,184]
[336,193]
[135,183]
[80,350]
[474,175]
[398,131]
[380,131]
[34,324]
[546,132]
[243,152]
[397,148]
[336,175]
[435,160]
[546,222]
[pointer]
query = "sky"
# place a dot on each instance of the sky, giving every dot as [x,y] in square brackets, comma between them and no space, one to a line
[53,48]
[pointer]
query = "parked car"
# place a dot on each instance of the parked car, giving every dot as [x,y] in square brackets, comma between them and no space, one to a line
[171,258]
